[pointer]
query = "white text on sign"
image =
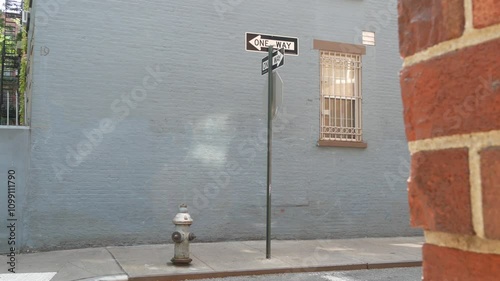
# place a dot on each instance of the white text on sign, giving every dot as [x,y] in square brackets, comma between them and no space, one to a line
[260,43]
[276,60]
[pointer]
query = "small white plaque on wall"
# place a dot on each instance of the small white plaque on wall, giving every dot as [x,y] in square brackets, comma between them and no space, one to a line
[368,38]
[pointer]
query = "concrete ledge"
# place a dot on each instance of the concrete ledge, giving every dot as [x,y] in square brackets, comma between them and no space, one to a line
[333,143]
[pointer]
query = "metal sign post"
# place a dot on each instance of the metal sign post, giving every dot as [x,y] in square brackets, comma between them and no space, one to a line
[256,42]
[269,149]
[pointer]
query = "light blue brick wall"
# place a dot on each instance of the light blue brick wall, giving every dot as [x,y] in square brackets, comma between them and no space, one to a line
[14,159]
[193,137]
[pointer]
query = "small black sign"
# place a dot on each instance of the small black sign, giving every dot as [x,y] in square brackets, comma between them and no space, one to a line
[278,60]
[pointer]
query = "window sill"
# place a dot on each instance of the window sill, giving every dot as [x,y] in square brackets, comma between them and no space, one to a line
[15,127]
[334,143]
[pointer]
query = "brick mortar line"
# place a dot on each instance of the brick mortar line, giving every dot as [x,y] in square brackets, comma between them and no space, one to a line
[475,141]
[463,242]
[469,18]
[469,38]
[476,190]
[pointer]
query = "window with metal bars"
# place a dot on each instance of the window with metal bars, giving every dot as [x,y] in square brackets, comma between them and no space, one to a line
[340,97]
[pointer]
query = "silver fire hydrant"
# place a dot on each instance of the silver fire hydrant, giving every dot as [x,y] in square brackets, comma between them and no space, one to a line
[182,236]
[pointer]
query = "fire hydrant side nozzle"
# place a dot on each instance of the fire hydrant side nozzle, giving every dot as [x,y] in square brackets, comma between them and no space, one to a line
[181,236]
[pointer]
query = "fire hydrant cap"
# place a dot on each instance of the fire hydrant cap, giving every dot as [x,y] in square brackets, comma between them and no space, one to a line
[183,216]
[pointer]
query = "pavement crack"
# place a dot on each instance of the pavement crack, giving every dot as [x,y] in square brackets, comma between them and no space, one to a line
[116,261]
[81,267]
[202,261]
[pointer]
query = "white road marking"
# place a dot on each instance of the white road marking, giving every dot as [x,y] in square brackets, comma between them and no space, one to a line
[46,276]
[108,278]
[331,277]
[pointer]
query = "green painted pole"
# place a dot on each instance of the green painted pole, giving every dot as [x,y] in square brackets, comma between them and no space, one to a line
[269,149]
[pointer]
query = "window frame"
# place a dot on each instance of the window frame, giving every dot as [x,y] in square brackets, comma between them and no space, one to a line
[346,49]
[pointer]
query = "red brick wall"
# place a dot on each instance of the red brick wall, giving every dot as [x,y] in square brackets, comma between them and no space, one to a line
[450,87]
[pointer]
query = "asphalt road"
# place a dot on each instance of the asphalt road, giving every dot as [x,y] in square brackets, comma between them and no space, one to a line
[396,274]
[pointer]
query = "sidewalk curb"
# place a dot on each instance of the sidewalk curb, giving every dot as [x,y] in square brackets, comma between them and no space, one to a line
[119,277]
[221,274]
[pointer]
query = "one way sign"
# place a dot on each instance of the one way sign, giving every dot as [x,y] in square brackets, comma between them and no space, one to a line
[278,60]
[256,42]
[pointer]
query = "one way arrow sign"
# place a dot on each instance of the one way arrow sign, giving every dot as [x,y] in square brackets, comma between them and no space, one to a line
[256,42]
[278,60]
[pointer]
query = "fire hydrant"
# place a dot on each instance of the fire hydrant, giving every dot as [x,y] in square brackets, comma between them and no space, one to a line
[182,236]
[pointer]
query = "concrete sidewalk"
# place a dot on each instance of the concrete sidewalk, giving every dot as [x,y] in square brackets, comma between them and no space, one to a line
[152,262]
